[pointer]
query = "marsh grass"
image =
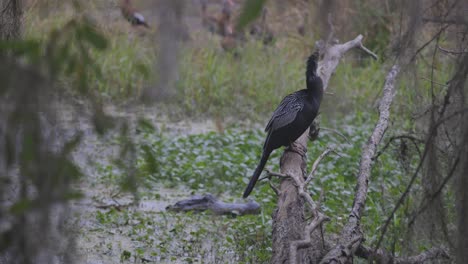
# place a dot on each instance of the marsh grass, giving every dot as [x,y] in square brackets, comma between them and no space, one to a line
[245,85]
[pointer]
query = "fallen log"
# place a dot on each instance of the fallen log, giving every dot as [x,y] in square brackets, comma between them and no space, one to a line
[201,203]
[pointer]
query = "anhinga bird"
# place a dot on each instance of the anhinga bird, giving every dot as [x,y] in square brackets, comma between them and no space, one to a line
[129,12]
[293,116]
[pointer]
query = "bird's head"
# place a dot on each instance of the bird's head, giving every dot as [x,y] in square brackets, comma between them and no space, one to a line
[312,64]
[312,79]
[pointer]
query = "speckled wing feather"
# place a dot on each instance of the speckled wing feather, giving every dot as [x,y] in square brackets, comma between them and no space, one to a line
[286,111]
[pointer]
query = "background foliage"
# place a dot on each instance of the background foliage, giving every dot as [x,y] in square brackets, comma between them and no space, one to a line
[84,56]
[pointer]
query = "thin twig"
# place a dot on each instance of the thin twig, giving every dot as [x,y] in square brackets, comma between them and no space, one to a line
[276,190]
[316,163]
[368,51]
[437,192]
[434,82]
[332,30]
[336,132]
[319,217]
[413,139]
[451,51]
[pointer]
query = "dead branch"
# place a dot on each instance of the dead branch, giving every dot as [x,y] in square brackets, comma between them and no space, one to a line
[438,191]
[352,231]
[316,163]
[209,202]
[333,54]
[288,220]
[336,132]
[319,217]
[411,138]
[453,52]
[460,76]
[384,257]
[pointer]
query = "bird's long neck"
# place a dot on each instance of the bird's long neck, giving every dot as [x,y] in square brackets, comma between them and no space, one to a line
[313,81]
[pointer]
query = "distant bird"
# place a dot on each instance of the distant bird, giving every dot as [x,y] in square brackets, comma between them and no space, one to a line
[293,116]
[129,12]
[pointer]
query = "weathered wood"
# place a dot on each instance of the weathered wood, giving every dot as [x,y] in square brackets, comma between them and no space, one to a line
[10,19]
[209,202]
[351,235]
[288,220]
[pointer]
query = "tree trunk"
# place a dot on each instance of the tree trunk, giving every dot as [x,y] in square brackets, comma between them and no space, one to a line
[462,178]
[10,19]
[462,198]
[289,221]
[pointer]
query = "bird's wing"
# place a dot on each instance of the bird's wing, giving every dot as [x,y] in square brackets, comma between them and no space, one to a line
[286,111]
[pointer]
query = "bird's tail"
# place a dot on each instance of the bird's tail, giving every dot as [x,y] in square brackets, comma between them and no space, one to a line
[257,173]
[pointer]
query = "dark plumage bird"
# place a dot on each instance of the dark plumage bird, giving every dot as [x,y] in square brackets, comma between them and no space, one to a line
[293,116]
[129,12]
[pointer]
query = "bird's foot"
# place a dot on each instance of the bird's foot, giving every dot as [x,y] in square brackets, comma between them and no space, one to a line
[297,148]
[314,130]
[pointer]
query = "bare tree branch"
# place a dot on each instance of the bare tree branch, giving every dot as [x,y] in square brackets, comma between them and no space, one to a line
[319,217]
[351,234]
[454,52]
[333,55]
[460,77]
[438,191]
[316,163]
[288,224]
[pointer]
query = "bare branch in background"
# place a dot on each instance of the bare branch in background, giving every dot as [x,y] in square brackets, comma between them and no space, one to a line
[352,231]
